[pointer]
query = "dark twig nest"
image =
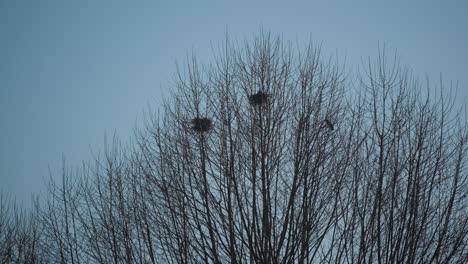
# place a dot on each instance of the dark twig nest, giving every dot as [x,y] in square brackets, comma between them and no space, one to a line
[202,124]
[260,98]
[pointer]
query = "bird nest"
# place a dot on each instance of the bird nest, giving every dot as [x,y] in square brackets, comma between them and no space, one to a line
[202,124]
[260,98]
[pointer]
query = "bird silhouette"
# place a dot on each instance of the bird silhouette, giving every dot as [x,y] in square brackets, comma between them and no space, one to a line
[329,124]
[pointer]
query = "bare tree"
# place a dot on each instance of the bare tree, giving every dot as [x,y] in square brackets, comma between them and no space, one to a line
[268,155]
[20,233]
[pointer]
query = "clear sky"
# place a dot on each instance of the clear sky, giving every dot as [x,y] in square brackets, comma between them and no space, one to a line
[72,71]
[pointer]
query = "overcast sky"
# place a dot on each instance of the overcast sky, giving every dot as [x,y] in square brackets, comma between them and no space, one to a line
[72,71]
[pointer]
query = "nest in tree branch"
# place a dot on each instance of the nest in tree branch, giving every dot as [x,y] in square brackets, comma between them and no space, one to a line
[259,98]
[202,124]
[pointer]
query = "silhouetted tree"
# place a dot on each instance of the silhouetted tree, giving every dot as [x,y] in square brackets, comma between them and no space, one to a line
[275,181]
[20,233]
[269,155]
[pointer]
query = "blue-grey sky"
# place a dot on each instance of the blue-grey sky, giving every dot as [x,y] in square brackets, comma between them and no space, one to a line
[71,71]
